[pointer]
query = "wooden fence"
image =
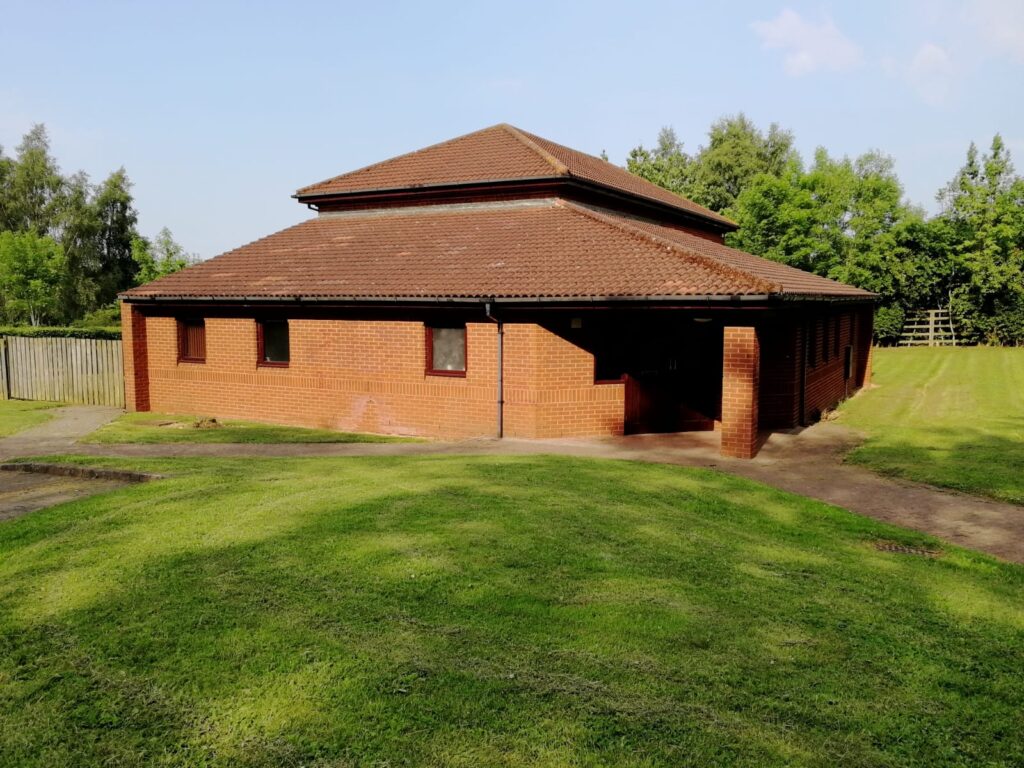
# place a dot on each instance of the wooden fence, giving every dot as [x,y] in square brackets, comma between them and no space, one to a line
[89,371]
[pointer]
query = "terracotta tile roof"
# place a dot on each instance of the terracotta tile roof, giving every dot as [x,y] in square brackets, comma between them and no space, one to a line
[500,153]
[528,250]
[789,279]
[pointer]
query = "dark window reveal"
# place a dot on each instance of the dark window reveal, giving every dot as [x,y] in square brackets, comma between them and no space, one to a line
[608,369]
[192,340]
[446,351]
[272,342]
[812,344]
[847,362]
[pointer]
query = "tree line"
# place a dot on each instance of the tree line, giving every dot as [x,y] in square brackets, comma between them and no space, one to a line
[68,246]
[848,219]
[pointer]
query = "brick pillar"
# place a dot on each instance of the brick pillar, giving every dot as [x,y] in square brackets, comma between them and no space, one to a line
[741,370]
[136,358]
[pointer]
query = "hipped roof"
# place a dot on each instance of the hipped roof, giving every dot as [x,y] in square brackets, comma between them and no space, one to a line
[539,250]
[501,153]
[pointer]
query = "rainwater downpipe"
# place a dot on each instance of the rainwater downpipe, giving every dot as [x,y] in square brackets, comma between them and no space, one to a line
[501,368]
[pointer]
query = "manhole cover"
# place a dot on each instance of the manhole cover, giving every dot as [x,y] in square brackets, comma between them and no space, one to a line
[903,549]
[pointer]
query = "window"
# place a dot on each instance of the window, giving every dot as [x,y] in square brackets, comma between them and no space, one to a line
[607,369]
[192,340]
[446,351]
[847,362]
[272,343]
[826,345]
[836,332]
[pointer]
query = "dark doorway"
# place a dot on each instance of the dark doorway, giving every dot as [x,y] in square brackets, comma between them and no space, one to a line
[671,363]
[674,381]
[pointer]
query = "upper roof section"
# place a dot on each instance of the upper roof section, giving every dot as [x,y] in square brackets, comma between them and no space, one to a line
[497,156]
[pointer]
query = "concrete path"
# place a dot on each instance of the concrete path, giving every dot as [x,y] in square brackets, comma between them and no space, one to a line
[21,493]
[808,463]
[58,435]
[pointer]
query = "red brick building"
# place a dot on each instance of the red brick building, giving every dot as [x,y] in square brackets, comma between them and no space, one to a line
[498,284]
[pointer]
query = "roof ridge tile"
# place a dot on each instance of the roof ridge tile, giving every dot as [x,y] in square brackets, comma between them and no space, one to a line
[560,168]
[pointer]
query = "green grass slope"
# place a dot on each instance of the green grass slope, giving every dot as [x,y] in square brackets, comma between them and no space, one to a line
[16,415]
[952,417]
[515,611]
[164,428]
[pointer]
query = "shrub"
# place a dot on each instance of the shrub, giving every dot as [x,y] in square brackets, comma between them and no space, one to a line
[42,331]
[888,325]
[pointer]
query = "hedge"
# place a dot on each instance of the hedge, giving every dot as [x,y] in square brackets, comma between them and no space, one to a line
[110,332]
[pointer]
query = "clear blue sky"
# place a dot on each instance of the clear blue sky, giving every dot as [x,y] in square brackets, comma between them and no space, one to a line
[219,111]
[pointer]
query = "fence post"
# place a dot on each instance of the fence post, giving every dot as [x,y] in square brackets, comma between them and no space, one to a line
[5,375]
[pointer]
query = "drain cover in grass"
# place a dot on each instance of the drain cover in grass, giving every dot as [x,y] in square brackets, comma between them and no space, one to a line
[902,549]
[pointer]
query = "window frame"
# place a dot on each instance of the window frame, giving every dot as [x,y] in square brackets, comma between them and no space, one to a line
[429,343]
[182,324]
[261,361]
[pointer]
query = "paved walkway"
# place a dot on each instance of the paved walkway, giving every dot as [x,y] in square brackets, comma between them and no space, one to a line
[22,492]
[808,463]
[58,435]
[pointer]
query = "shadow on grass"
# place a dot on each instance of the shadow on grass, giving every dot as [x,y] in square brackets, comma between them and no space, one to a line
[963,458]
[493,611]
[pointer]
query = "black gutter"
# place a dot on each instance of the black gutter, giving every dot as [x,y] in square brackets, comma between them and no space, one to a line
[722,224]
[762,298]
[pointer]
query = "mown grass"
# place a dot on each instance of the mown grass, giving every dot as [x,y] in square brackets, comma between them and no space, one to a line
[16,415]
[167,428]
[513,611]
[952,417]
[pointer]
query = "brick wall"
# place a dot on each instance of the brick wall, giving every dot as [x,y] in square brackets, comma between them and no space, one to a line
[368,376]
[782,357]
[135,355]
[740,387]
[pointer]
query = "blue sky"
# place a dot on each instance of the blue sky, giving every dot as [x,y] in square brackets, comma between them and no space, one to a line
[219,111]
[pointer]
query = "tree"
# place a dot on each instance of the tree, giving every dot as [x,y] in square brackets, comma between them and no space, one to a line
[163,257]
[736,153]
[29,199]
[666,165]
[116,218]
[31,268]
[76,230]
[983,210]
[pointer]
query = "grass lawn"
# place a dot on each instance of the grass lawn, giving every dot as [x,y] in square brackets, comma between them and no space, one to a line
[165,428]
[16,415]
[947,416]
[482,611]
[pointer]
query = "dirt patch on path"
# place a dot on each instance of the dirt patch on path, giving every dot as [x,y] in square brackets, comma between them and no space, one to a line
[24,492]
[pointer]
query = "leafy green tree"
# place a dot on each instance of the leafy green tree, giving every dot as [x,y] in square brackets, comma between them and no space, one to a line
[76,230]
[162,257]
[667,165]
[983,209]
[736,153]
[31,268]
[30,196]
[116,220]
